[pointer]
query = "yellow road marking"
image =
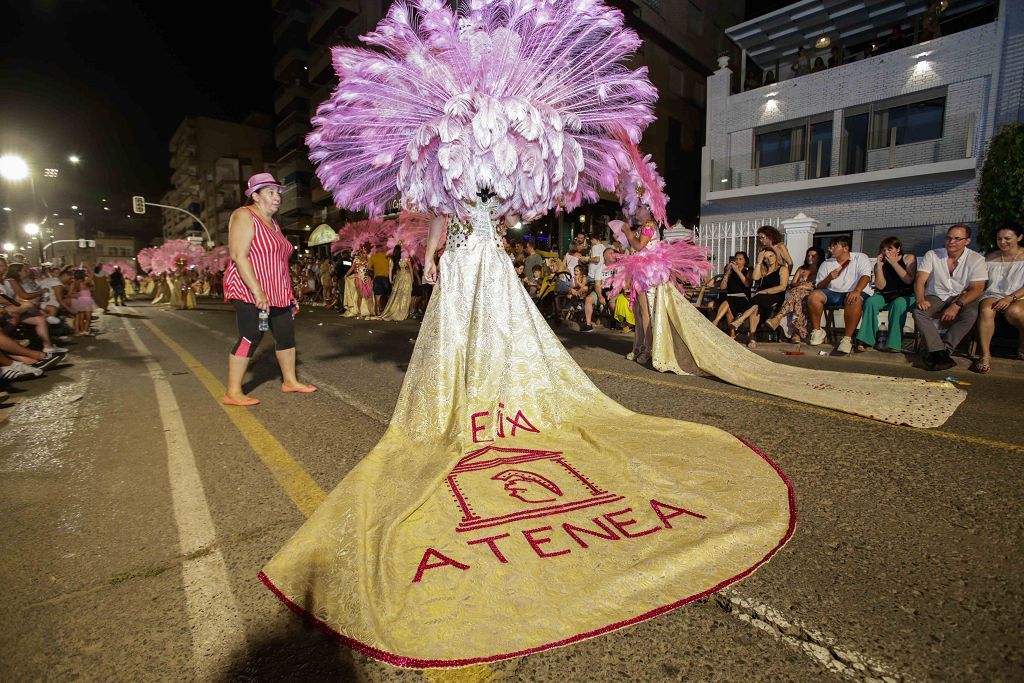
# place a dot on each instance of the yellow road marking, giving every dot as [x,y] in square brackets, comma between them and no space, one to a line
[300,487]
[967,438]
[296,482]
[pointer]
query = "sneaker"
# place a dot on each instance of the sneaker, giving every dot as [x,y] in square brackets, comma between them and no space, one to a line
[586,328]
[845,346]
[18,370]
[631,355]
[817,337]
[53,320]
[55,349]
[49,359]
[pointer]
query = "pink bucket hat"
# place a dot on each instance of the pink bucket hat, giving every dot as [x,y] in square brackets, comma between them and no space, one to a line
[261,180]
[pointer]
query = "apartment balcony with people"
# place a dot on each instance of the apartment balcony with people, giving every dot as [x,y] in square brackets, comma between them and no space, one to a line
[918,110]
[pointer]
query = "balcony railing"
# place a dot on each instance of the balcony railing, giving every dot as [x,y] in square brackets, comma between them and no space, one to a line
[855,156]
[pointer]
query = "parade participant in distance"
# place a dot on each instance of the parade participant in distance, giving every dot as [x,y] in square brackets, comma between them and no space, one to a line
[257,285]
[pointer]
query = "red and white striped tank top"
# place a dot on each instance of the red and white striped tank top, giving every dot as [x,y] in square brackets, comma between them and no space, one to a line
[269,252]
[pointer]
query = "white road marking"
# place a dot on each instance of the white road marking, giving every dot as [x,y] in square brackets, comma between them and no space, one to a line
[214,614]
[823,648]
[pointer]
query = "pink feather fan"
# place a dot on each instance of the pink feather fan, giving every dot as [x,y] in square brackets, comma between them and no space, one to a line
[353,235]
[530,99]
[413,230]
[127,268]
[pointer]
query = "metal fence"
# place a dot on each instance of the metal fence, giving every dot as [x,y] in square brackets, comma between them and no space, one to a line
[727,237]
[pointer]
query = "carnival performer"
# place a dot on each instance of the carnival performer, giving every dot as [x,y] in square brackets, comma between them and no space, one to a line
[398,304]
[257,285]
[509,108]
[362,238]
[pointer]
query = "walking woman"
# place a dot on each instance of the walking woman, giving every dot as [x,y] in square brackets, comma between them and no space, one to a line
[258,286]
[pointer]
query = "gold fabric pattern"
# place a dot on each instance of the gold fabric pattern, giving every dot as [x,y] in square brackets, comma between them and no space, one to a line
[511,506]
[401,294]
[685,342]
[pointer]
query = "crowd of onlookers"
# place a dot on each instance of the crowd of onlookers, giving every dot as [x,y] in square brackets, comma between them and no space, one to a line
[573,286]
[949,292]
[41,308]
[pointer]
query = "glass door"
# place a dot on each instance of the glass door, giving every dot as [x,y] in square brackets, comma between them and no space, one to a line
[855,143]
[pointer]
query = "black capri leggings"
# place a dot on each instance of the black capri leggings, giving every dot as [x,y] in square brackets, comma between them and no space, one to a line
[282,326]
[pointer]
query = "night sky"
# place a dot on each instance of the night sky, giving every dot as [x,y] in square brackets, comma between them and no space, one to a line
[111,81]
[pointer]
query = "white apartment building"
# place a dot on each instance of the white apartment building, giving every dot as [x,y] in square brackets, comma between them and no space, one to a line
[889,142]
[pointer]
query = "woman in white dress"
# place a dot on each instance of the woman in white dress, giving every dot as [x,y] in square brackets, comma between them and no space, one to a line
[1004,294]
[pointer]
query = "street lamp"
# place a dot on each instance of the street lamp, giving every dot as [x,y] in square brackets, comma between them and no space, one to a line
[13,167]
[31,229]
[75,159]
[8,247]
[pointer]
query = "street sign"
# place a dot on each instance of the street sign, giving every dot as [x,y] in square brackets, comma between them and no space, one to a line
[139,204]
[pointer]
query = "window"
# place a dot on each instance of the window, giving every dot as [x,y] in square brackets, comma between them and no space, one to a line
[913,122]
[780,147]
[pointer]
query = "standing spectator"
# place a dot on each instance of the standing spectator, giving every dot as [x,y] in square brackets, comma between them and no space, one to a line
[771,238]
[819,65]
[843,280]
[1003,295]
[595,259]
[894,288]
[802,64]
[948,285]
[533,259]
[572,259]
[736,283]
[930,27]
[835,57]
[795,305]
[771,277]
[380,264]
[82,303]
[117,285]
[340,269]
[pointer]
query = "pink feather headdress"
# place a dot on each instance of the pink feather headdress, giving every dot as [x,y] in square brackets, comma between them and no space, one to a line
[413,230]
[353,235]
[127,268]
[530,99]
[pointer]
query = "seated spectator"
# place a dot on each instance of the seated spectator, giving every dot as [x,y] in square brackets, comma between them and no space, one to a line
[770,238]
[894,289]
[794,308]
[597,299]
[578,292]
[54,287]
[1004,293]
[842,280]
[835,56]
[770,278]
[534,279]
[736,283]
[948,285]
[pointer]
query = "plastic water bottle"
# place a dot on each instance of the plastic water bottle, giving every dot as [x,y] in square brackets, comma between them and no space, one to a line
[264,321]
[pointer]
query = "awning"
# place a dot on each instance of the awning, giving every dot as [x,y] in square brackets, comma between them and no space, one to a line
[323,234]
[779,35]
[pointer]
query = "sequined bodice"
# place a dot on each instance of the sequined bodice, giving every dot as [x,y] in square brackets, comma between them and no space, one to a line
[480,226]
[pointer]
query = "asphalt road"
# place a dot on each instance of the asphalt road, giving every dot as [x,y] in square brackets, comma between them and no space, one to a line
[136,513]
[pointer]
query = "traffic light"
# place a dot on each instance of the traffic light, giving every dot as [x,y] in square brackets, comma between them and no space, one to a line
[139,204]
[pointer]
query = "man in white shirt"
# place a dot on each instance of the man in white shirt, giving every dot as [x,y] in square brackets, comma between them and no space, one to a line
[595,261]
[948,285]
[843,280]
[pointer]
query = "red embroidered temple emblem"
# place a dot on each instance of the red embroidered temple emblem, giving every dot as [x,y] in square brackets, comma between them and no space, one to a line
[495,485]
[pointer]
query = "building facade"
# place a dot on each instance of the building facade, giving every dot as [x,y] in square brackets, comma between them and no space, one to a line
[891,143]
[211,160]
[304,33]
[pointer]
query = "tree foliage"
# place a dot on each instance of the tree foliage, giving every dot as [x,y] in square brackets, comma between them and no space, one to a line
[1000,197]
